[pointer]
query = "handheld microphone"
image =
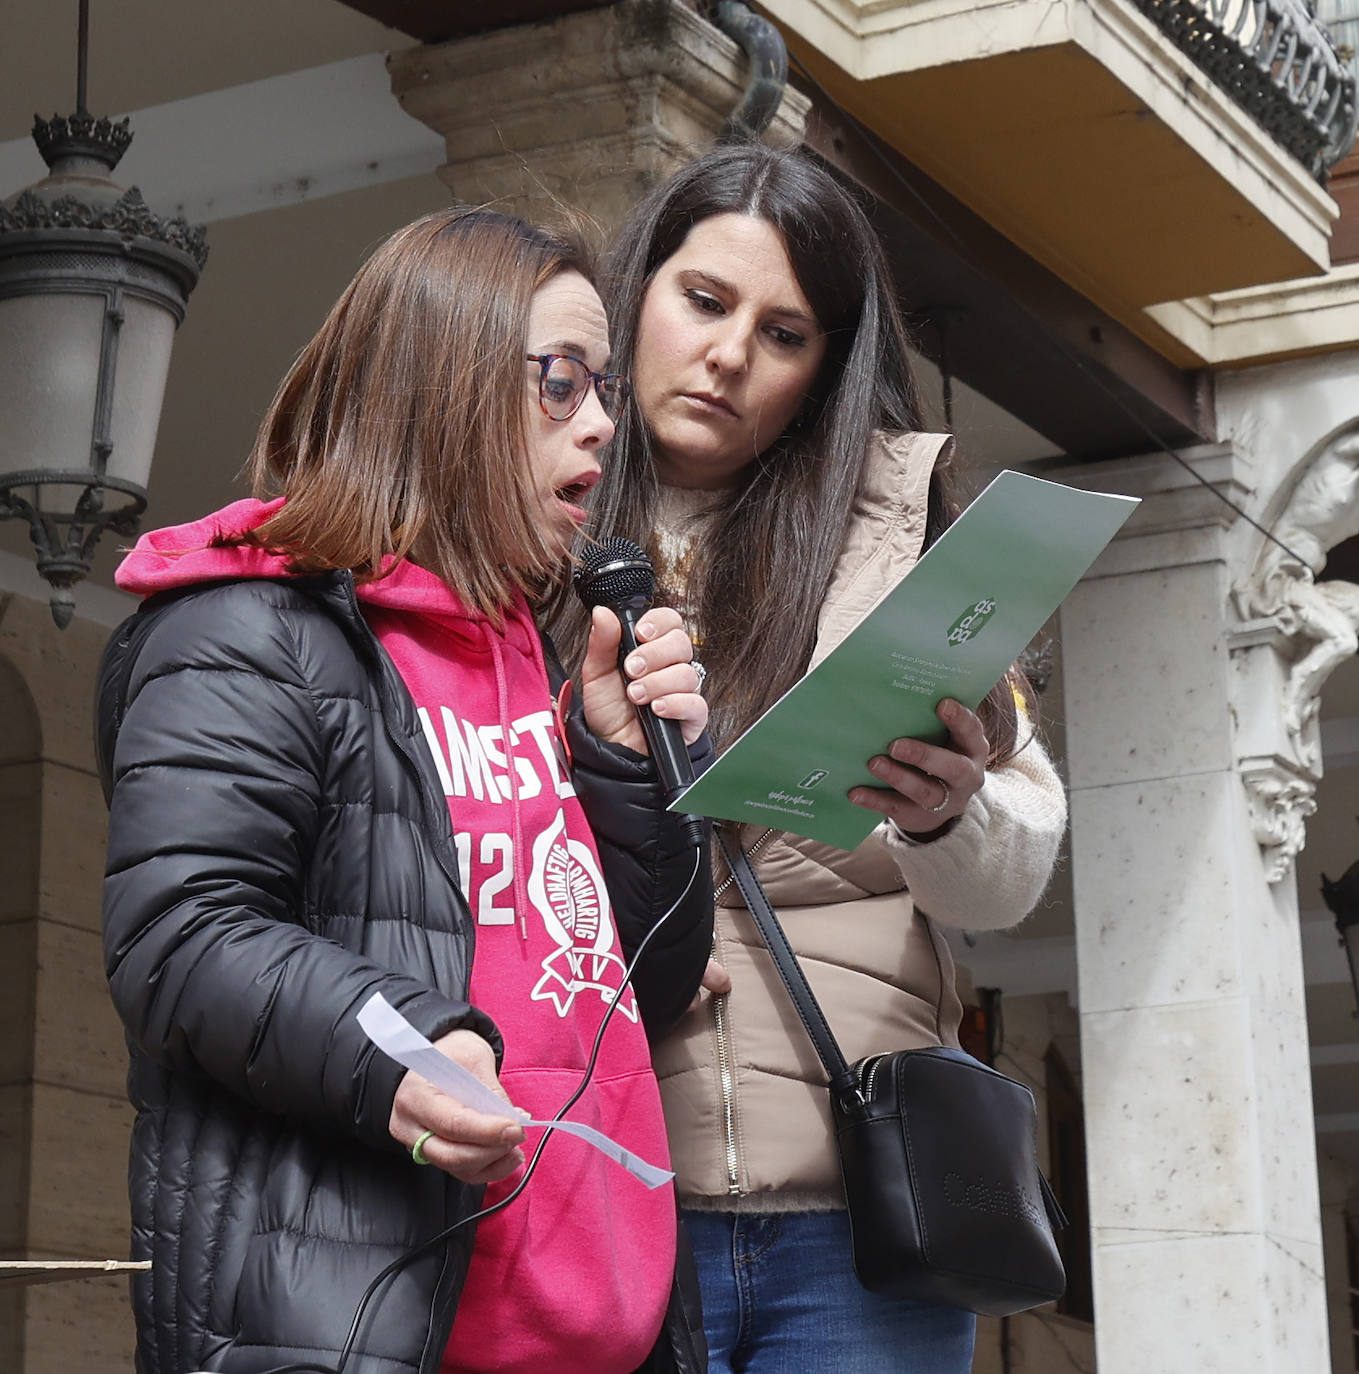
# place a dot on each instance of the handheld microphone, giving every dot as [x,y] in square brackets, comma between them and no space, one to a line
[617,573]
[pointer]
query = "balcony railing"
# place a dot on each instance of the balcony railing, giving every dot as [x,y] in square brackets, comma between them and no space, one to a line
[1278,62]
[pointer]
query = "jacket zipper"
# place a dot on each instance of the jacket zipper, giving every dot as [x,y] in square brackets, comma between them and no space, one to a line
[726,1078]
[391,688]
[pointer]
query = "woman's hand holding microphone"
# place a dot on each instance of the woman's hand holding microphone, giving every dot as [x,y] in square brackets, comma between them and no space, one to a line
[661,671]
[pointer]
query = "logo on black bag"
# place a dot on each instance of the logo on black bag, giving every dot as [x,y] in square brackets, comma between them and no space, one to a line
[997,1199]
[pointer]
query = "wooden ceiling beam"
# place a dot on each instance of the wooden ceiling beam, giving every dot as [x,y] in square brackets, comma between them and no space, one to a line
[1017,333]
[439,21]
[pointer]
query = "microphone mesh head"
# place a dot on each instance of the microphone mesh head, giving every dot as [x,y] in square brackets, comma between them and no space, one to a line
[614,571]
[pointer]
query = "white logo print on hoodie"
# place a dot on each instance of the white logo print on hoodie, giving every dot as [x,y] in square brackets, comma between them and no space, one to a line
[567,889]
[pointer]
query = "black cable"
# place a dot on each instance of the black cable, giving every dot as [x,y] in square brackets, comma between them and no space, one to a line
[1062,347]
[945,370]
[445,1235]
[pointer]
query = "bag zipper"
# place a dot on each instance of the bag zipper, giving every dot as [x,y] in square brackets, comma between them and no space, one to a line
[866,1073]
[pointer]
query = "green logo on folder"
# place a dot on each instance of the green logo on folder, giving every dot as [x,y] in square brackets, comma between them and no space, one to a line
[972,620]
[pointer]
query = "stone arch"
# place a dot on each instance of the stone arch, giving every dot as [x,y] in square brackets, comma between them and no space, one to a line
[1316,509]
[20,799]
[21,738]
[1282,496]
[20,826]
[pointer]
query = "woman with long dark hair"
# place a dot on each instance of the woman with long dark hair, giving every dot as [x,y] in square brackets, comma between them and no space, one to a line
[772,461]
[341,760]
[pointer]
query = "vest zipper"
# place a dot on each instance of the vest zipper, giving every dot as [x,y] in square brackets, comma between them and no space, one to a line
[726,1077]
[727,1082]
[750,853]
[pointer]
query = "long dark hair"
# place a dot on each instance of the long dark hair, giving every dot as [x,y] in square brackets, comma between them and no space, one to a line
[389,435]
[769,555]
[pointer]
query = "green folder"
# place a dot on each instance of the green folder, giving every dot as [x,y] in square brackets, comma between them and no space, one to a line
[951,627]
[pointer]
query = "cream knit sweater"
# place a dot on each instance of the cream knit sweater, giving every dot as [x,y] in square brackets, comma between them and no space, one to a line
[1017,821]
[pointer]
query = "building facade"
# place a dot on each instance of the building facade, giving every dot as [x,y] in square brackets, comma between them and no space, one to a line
[1124,270]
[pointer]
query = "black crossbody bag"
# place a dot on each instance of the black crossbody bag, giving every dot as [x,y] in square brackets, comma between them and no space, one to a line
[938,1155]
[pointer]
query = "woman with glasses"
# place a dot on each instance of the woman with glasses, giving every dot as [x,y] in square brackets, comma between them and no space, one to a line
[773,462]
[341,760]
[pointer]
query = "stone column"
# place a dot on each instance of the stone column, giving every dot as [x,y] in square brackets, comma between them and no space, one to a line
[587,111]
[1204,1203]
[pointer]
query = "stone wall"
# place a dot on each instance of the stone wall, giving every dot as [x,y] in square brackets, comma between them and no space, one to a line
[1044,1340]
[64,1115]
[1339,1206]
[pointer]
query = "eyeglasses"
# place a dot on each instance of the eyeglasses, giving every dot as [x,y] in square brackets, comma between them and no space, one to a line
[563,382]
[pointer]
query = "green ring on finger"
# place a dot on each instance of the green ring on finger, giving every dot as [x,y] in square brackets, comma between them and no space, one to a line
[418,1149]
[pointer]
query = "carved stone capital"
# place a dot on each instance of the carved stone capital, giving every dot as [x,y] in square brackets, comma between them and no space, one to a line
[590,109]
[1280,800]
[1190,503]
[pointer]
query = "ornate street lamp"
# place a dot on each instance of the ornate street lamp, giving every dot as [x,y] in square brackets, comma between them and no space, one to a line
[92,288]
[1342,896]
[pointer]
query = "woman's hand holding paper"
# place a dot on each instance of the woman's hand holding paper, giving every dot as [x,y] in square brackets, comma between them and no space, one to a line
[929,784]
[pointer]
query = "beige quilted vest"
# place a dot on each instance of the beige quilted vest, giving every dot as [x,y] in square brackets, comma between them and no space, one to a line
[744,1094]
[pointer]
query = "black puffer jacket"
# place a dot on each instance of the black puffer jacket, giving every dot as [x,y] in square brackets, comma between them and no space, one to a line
[280,849]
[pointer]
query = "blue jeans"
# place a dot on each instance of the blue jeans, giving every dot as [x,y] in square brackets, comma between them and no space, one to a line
[780,1297]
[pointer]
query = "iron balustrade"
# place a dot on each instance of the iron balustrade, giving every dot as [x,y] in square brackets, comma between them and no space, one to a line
[1278,62]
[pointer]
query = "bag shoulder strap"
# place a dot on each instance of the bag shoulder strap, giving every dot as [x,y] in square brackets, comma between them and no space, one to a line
[839,1073]
[843,1083]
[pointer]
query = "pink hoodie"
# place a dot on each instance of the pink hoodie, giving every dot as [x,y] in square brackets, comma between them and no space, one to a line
[574,1276]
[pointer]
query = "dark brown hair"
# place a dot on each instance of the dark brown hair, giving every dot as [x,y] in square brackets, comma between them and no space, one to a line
[400,428]
[768,558]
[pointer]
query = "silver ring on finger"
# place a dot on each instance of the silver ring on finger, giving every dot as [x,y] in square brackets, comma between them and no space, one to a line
[943,801]
[700,672]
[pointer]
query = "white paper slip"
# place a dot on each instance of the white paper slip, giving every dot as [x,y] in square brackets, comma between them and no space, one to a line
[396,1037]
